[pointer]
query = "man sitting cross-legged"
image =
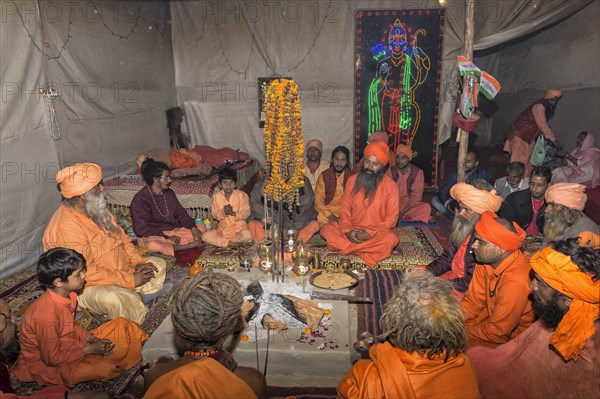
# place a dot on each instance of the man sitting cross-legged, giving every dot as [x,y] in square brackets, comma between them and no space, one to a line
[423,353]
[230,207]
[457,262]
[160,222]
[557,357]
[55,349]
[303,219]
[330,186]
[116,273]
[411,182]
[497,307]
[563,216]
[207,316]
[369,211]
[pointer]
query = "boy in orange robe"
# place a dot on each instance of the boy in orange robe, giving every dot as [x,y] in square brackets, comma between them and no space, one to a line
[55,349]
[231,208]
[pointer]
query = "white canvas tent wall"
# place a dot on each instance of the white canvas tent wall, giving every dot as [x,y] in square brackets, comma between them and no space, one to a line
[124,63]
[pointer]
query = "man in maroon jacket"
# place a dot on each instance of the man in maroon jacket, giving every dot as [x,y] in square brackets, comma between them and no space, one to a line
[532,121]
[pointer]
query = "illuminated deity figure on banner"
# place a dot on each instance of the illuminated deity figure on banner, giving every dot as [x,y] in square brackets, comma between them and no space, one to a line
[401,68]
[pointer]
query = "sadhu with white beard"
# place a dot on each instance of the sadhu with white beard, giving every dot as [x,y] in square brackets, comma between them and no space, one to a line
[116,272]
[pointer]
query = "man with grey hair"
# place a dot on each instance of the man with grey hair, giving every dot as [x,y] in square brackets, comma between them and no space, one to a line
[513,181]
[423,352]
[116,273]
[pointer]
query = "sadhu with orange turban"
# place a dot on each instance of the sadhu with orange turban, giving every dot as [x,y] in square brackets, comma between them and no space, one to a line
[492,231]
[475,199]
[78,179]
[563,275]
[570,195]
[380,150]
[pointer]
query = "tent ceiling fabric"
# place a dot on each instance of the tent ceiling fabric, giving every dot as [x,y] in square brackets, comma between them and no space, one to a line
[119,64]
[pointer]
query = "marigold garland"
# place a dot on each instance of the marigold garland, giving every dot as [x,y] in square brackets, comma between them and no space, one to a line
[283,143]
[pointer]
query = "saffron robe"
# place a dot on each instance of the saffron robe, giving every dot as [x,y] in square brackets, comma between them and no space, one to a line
[231,228]
[333,207]
[111,260]
[497,307]
[394,373]
[527,367]
[377,216]
[202,379]
[52,345]
[410,193]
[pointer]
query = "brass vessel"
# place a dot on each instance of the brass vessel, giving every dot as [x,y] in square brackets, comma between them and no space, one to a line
[304,260]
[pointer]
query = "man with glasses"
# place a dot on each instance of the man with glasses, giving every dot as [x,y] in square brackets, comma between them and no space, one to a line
[564,217]
[497,307]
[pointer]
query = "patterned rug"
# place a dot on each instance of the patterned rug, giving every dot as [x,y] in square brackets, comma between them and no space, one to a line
[418,246]
[379,285]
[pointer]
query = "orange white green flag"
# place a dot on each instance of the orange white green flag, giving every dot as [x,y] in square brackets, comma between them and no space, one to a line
[488,85]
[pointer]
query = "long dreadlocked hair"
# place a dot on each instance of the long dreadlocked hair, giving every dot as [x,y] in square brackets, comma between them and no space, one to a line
[207,311]
[424,317]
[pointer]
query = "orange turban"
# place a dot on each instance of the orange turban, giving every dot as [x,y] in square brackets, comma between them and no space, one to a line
[379,136]
[561,273]
[78,179]
[404,149]
[315,143]
[380,150]
[552,93]
[475,199]
[497,234]
[571,195]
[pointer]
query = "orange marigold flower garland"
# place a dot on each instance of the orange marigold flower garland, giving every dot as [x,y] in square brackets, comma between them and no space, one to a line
[284,146]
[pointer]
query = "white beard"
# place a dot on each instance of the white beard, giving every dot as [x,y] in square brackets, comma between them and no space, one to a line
[97,209]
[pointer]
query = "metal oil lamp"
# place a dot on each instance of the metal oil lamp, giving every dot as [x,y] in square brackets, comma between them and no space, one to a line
[265,256]
[303,259]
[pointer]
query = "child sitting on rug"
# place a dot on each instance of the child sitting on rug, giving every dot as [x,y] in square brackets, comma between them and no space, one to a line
[230,207]
[55,349]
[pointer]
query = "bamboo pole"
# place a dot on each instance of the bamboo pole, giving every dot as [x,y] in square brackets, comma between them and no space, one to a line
[463,137]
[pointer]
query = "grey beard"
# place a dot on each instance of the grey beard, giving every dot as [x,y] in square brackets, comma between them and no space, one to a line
[554,226]
[461,229]
[97,210]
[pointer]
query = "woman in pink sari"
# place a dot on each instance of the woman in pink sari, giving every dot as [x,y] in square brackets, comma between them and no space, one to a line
[583,163]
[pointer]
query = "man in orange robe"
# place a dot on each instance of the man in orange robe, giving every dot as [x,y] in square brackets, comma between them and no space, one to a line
[230,207]
[55,349]
[375,137]
[411,183]
[116,272]
[330,186]
[206,369]
[423,353]
[557,357]
[497,307]
[368,213]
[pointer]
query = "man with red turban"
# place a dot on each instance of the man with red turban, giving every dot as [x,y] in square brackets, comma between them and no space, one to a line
[411,182]
[564,217]
[557,357]
[369,211]
[530,123]
[457,263]
[497,307]
[116,272]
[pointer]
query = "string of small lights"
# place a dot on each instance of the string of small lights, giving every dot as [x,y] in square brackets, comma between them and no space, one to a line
[245,72]
[137,21]
[46,44]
